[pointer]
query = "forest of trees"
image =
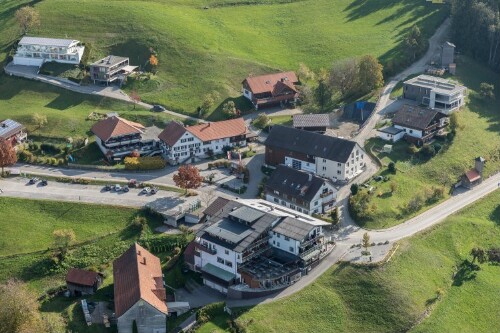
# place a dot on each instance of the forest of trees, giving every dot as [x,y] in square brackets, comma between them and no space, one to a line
[476,29]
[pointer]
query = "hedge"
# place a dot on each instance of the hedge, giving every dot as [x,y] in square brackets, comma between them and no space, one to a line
[144,163]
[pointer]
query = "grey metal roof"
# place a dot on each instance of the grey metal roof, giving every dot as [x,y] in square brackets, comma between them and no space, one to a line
[295,183]
[151,133]
[229,230]
[218,272]
[414,117]
[437,84]
[215,206]
[293,228]
[324,146]
[9,127]
[391,130]
[109,61]
[246,214]
[311,120]
[47,41]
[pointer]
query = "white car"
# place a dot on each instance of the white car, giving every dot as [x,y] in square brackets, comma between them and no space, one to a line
[146,190]
[118,188]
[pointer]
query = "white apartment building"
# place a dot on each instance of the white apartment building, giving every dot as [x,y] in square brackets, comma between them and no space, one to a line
[34,51]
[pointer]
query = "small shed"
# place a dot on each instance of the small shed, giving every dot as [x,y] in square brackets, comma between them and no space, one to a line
[474,176]
[82,282]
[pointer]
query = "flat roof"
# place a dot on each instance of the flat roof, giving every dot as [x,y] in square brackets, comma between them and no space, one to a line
[293,228]
[109,61]
[391,130]
[218,272]
[228,230]
[246,214]
[47,41]
[439,85]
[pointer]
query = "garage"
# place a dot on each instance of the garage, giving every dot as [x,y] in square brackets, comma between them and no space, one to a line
[217,278]
[27,61]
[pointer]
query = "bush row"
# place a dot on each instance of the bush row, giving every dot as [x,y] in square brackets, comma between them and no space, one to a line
[28,157]
[144,163]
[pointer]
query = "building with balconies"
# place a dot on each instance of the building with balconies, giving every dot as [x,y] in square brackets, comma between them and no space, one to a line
[118,138]
[436,93]
[12,131]
[255,245]
[301,191]
[111,68]
[271,89]
[34,51]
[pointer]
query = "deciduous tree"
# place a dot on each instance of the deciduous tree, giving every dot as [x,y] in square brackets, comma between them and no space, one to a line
[262,120]
[478,254]
[134,96]
[27,18]
[414,42]
[366,241]
[8,155]
[63,238]
[188,177]
[323,94]
[344,76]
[230,110]
[487,91]
[39,120]
[370,74]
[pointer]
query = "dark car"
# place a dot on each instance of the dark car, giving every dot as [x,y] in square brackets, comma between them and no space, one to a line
[125,188]
[33,180]
[158,108]
[44,182]
[154,190]
[107,188]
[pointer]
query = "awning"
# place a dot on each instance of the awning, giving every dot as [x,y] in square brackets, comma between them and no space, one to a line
[311,255]
[218,272]
[129,69]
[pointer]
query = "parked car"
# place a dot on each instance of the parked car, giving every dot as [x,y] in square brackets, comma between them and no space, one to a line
[44,182]
[158,108]
[33,180]
[125,189]
[154,190]
[107,188]
[146,190]
[118,188]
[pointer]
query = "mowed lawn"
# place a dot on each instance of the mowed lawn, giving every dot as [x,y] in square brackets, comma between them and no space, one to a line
[206,46]
[393,297]
[478,134]
[27,225]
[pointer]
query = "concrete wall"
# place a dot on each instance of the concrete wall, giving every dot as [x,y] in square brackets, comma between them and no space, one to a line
[147,317]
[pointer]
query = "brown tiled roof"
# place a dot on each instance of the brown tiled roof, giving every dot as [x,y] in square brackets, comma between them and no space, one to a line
[189,253]
[137,276]
[415,117]
[472,175]
[115,126]
[215,206]
[265,83]
[81,277]
[219,129]
[172,133]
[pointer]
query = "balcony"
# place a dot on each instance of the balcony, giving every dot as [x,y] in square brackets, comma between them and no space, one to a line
[324,195]
[312,240]
[206,249]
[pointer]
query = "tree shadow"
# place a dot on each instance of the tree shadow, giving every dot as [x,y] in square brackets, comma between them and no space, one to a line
[495,215]
[241,103]
[467,271]
[63,102]
[137,51]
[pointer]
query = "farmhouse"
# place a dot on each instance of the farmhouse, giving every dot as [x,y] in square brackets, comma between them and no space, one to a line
[312,122]
[180,143]
[139,292]
[325,156]
[271,89]
[12,131]
[110,68]
[436,93]
[118,137]
[81,282]
[417,124]
[34,51]
[300,191]
[253,246]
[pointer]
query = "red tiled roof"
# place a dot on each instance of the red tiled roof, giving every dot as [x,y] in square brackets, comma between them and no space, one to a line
[472,175]
[265,83]
[137,276]
[172,133]
[115,126]
[81,277]
[219,129]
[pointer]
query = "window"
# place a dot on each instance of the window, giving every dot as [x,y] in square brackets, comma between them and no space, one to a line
[283,202]
[296,164]
[287,238]
[347,164]
[278,244]
[278,235]
[299,209]
[220,260]
[226,252]
[411,131]
[274,242]
[276,200]
[324,168]
[325,190]
[291,249]
[306,212]
[339,172]
[324,160]
[292,206]
[315,203]
[229,263]
[339,164]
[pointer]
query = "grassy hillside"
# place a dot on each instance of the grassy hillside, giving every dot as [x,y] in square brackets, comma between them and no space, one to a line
[392,298]
[478,134]
[207,45]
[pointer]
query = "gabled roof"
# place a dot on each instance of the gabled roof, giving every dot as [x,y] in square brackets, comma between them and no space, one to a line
[311,120]
[172,133]
[472,175]
[81,277]
[137,276]
[47,41]
[9,127]
[293,228]
[219,129]
[295,183]
[324,146]
[414,117]
[266,83]
[115,126]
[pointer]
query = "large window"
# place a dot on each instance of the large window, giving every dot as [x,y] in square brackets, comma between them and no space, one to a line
[296,164]
[220,260]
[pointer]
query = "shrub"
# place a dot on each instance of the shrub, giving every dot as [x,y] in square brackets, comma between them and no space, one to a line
[26,156]
[428,151]
[437,147]
[450,136]
[354,189]
[414,204]
[392,167]
[412,149]
[144,163]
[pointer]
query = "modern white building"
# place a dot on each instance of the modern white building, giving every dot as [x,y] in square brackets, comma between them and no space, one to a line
[300,191]
[255,245]
[180,143]
[323,155]
[34,51]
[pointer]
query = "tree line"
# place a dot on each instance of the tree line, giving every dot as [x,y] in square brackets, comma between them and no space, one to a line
[476,29]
